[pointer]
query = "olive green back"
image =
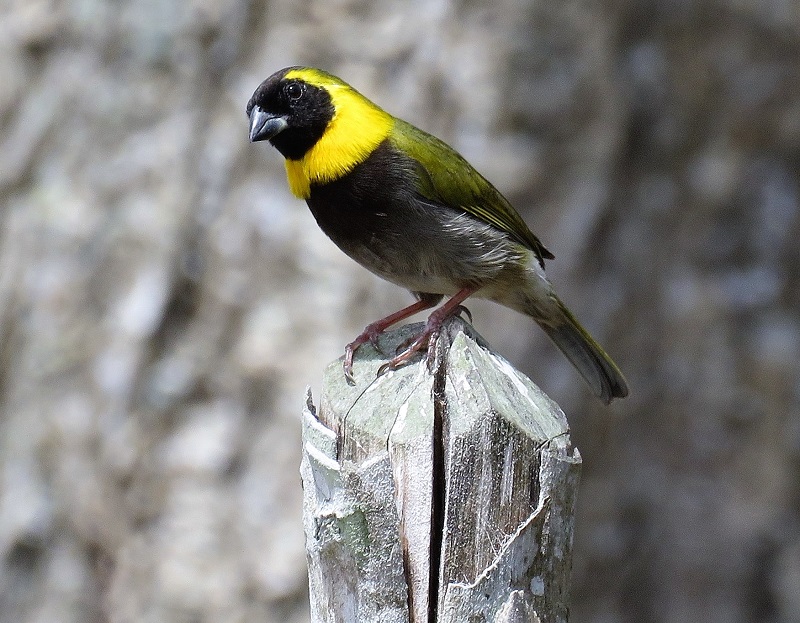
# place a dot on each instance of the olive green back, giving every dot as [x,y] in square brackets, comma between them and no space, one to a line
[448,178]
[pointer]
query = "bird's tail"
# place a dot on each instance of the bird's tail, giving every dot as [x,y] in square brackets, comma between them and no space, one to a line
[588,357]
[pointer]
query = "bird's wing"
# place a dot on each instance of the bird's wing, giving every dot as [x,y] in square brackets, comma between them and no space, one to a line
[446,177]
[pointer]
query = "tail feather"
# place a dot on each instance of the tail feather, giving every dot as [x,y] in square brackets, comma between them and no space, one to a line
[588,357]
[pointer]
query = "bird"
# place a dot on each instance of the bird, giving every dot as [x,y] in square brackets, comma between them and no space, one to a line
[410,209]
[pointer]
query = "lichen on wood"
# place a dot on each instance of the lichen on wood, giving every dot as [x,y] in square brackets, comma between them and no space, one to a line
[440,492]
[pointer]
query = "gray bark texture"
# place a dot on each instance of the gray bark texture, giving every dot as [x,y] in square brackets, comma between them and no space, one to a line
[164,300]
[443,495]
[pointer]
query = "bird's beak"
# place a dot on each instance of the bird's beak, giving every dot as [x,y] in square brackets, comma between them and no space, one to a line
[264,126]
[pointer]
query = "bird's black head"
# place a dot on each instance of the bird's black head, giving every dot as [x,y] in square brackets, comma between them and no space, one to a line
[289,112]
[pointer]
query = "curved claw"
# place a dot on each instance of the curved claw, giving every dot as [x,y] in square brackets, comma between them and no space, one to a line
[462,309]
[373,339]
[384,369]
[347,364]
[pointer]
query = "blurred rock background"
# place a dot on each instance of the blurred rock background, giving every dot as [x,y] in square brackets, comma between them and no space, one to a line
[164,300]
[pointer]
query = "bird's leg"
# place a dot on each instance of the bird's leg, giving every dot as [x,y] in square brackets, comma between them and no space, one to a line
[427,339]
[458,311]
[374,330]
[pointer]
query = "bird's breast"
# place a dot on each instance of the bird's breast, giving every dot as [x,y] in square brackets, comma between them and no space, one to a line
[377,217]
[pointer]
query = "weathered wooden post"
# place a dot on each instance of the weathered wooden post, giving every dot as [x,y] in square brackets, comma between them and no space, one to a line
[437,497]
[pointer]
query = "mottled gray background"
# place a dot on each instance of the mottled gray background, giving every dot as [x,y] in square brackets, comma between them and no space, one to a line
[164,300]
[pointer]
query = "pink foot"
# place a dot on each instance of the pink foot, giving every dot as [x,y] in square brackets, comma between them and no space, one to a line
[426,340]
[374,331]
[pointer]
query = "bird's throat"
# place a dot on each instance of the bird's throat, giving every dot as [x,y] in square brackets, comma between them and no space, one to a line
[356,129]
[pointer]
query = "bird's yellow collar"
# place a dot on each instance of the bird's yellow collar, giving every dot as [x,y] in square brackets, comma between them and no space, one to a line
[357,128]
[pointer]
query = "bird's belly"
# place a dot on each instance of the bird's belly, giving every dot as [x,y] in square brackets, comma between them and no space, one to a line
[441,264]
[416,244]
[406,263]
[409,270]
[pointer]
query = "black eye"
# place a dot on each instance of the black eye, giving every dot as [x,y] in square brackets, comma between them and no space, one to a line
[294,91]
